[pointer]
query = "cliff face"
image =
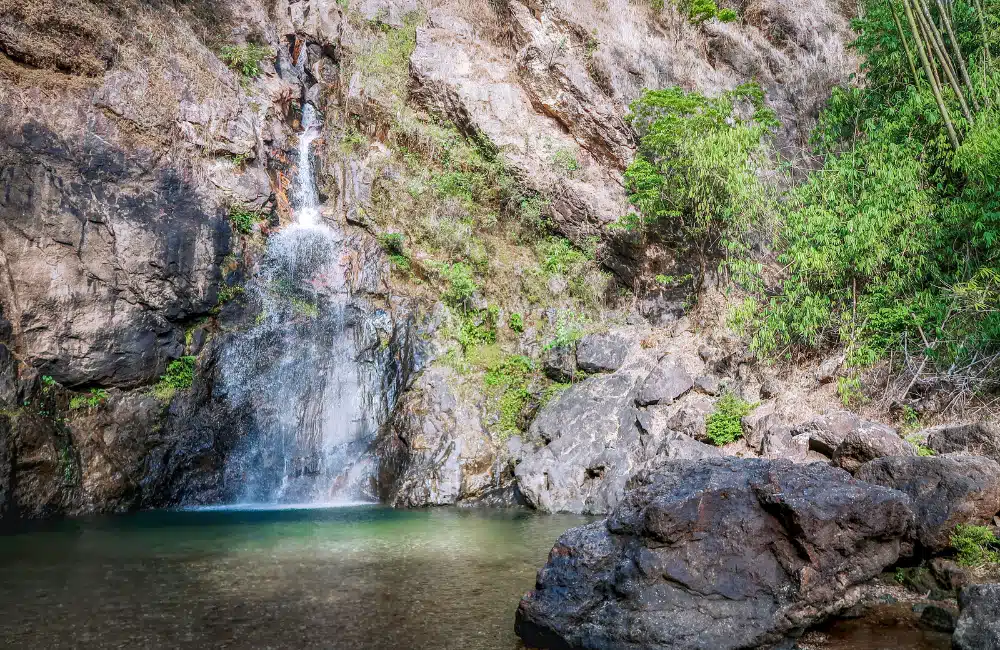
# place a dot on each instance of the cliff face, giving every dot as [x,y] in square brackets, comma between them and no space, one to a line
[126,144]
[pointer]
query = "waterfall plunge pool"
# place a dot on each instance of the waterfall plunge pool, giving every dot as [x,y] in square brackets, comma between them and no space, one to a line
[346,577]
[361,577]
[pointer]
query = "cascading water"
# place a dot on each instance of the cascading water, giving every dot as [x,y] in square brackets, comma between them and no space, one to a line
[296,371]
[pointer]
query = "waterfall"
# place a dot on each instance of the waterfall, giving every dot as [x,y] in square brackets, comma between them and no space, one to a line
[295,372]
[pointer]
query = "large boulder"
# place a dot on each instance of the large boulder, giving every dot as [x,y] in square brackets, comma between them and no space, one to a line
[668,381]
[868,443]
[827,431]
[946,491]
[979,438]
[721,553]
[979,623]
[601,353]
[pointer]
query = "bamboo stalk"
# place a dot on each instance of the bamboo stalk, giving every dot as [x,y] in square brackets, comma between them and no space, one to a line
[934,36]
[906,45]
[935,88]
[957,50]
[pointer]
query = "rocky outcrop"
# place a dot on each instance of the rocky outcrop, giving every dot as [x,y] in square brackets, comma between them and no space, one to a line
[946,491]
[978,625]
[437,451]
[715,554]
[827,432]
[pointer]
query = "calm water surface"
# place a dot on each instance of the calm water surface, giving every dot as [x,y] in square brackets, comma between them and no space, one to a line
[360,577]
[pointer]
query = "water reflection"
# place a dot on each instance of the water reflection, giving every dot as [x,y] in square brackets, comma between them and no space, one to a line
[363,577]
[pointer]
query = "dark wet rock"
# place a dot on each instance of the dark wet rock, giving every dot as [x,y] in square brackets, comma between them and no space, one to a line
[938,618]
[601,353]
[868,443]
[826,432]
[950,574]
[668,381]
[559,364]
[6,463]
[979,438]
[946,491]
[978,626]
[723,553]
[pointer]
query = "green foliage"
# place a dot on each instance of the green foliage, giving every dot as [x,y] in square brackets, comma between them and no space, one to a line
[725,424]
[243,220]
[47,382]
[975,546]
[728,15]
[245,59]
[696,172]
[304,308]
[570,328]
[516,323]
[479,327]
[850,390]
[507,382]
[459,283]
[94,398]
[558,256]
[699,11]
[892,244]
[179,376]
[565,161]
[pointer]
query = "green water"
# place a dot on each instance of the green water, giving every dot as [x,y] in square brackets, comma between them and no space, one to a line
[361,577]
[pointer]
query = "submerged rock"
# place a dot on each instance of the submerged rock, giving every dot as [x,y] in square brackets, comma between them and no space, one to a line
[722,553]
[946,491]
[978,626]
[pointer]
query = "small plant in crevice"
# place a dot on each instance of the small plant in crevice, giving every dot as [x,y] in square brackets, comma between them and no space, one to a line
[304,308]
[565,161]
[570,328]
[90,400]
[725,424]
[394,245]
[243,220]
[47,383]
[245,59]
[516,323]
[179,376]
[507,386]
[975,546]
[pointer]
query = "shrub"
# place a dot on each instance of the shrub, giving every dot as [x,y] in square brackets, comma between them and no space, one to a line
[245,59]
[459,283]
[725,424]
[727,15]
[696,175]
[479,327]
[507,383]
[975,545]
[94,398]
[179,376]
[516,323]
[558,256]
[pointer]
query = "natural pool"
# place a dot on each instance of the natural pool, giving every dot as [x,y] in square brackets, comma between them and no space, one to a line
[346,578]
[357,577]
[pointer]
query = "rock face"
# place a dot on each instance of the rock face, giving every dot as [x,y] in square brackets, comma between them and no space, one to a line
[978,625]
[946,491]
[826,432]
[438,452]
[719,554]
[979,438]
[868,443]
